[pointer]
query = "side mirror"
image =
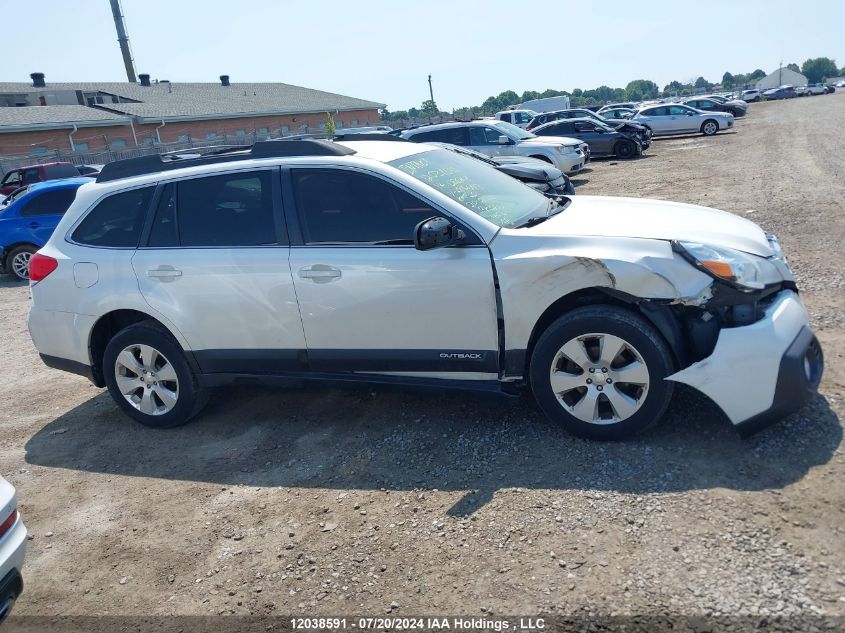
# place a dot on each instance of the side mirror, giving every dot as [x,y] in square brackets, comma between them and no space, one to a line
[504,140]
[435,233]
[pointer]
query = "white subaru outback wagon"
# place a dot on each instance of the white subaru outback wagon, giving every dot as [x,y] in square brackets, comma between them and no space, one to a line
[396,262]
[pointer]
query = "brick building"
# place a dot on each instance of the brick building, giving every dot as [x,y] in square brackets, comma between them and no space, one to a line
[39,118]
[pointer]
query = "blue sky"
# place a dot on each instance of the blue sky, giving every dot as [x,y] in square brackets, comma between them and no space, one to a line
[384,50]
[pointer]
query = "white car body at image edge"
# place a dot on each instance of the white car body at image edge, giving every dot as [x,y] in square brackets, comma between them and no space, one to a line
[675,118]
[12,548]
[460,276]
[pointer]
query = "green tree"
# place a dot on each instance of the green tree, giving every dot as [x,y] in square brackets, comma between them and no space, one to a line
[673,86]
[757,74]
[530,95]
[507,98]
[701,82]
[429,108]
[329,124]
[728,80]
[640,89]
[818,69]
[413,113]
[794,66]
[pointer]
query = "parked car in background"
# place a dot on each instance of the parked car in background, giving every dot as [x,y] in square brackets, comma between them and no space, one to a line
[681,119]
[15,178]
[27,223]
[403,263]
[625,126]
[630,105]
[537,174]
[816,89]
[545,104]
[17,193]
[616,113]
[89,170]
[751,95]
[802,91]
[498,138]
[784,92]
[371,129]
[12,549]
[717,104]
[520,118]
[602,139]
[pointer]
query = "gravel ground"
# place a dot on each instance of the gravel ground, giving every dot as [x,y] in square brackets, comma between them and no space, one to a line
[377,502]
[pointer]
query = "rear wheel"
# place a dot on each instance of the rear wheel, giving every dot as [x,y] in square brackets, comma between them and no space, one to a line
[600,372]
[625,149]
[18,261]
[709,127]
[149,378]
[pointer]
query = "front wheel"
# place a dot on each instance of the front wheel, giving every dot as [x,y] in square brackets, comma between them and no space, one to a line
[625,149]
[709,127]
[18,261]
[600,371]
[149,378]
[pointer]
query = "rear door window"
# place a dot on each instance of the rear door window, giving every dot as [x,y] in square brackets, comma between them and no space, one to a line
[31,176]
[49,203]
[226,211]
[116,222]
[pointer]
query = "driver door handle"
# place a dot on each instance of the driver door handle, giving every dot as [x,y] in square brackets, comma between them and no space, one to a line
[164,272]
[319,272]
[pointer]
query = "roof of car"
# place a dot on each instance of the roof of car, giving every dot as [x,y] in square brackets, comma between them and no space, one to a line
[451,124]
[61,183]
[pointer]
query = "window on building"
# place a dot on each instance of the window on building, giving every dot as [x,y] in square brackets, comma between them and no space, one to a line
[184,138]
[240,132]
[223,211]
[353,123]
[341,206]
[117,221]
[38,150]
[263,130]
[211,135]
[117,144]
[49,203]
[284,129]
[150,140]
[80,147]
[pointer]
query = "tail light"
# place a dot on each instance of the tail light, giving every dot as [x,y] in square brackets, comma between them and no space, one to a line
[8,522]
[40,266]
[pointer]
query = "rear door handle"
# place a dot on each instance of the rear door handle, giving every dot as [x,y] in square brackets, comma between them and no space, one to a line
[319,272]
[164,272]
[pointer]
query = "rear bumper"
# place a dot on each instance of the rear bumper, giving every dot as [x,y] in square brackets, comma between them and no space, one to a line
[12,552]
[759,373]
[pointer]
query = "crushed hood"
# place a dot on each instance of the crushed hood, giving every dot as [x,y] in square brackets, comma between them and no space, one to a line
[655,219]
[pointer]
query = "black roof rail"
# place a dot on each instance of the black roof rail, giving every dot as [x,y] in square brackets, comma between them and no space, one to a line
[187,158]
[370,136]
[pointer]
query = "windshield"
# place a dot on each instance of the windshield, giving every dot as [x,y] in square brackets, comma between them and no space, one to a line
[514,131]
[494,196]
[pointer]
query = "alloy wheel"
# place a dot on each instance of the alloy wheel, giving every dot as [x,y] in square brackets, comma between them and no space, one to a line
[599,378]
[20,264]
[146,379]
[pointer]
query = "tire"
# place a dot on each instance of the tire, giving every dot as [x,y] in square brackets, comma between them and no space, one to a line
[612,410]
[17,263]
[153,404]
[625,150]
[709,127]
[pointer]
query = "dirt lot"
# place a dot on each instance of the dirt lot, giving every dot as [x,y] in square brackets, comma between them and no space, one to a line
[367,502]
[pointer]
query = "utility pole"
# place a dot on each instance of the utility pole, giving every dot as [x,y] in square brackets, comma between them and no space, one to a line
[431,93]
[780,74]
[123,39]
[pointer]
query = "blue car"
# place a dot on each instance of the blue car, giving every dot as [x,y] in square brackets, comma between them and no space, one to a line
[28,221]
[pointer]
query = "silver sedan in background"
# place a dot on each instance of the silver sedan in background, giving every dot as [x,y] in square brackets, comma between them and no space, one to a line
[675,118]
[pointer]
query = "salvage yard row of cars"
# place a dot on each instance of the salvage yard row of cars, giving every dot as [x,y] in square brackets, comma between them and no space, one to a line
[542,149]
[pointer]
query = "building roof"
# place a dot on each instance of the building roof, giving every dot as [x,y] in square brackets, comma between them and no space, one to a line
[191,101]
[51,117]
[781,77]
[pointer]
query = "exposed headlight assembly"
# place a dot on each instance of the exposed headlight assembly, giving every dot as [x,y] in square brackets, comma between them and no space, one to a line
[539,186]
[745,271]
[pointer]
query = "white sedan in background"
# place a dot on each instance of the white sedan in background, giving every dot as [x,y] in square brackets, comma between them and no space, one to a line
[676,118]
[12,548]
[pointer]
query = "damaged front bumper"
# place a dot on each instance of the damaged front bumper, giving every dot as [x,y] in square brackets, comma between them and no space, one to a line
[759,373]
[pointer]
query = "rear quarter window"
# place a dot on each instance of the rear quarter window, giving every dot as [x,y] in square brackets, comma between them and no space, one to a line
[116,221]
